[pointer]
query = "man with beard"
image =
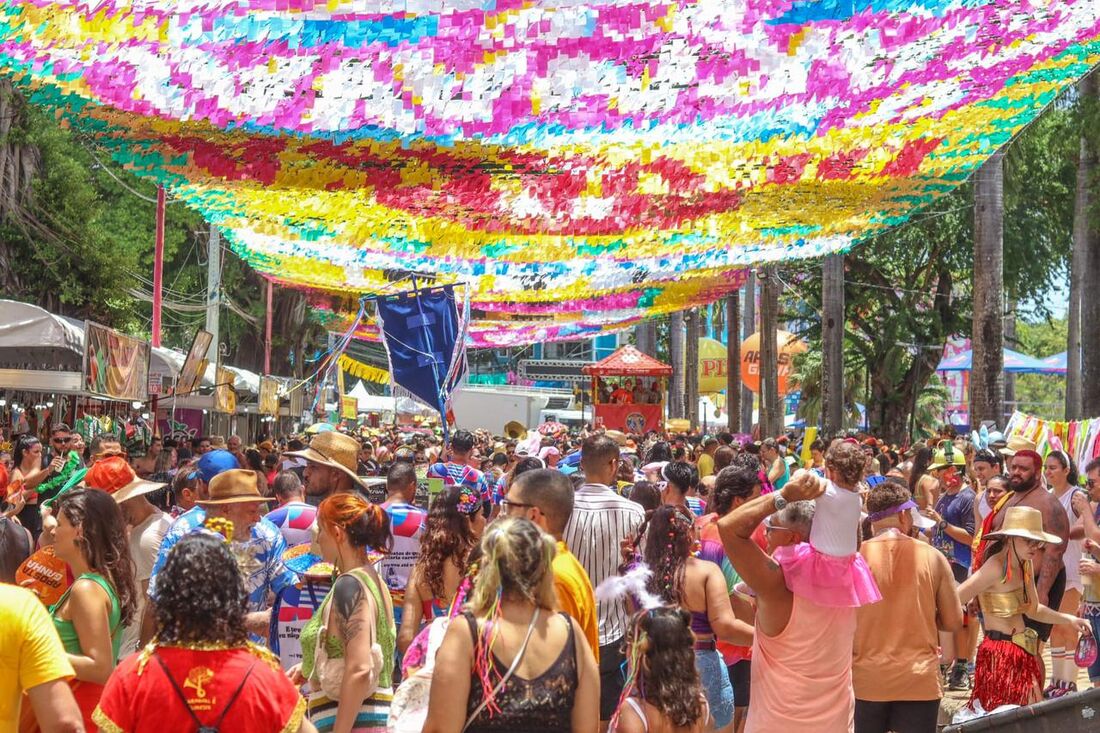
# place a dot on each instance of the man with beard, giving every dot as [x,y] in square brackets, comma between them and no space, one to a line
[1050,580]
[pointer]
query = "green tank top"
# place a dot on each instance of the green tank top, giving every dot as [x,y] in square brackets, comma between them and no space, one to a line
[67,631]
[385,633]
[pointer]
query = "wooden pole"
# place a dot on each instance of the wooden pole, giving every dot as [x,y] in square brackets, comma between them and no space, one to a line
[771,419]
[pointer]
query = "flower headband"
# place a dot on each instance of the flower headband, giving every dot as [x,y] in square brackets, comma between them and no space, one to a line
[469,500]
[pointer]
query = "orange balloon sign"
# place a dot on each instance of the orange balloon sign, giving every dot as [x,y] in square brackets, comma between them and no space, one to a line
[786,343]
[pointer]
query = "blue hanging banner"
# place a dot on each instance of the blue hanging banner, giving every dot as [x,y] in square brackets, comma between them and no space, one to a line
[426,343]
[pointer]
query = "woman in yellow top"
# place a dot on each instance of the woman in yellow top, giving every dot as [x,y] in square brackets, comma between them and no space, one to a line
[1007,670]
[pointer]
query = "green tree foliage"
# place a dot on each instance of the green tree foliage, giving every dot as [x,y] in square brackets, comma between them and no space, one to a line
[1041,394]
[908,290]
[77,237]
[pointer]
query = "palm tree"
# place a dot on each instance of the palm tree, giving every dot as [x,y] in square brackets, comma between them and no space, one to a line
[987,386]
[807,374]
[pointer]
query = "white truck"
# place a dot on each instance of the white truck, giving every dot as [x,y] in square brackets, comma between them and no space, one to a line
[491,408]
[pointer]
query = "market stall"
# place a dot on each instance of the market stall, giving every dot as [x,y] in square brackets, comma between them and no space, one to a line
[628,391]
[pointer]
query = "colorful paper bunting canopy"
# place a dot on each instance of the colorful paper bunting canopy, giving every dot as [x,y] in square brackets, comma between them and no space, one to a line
[576,166]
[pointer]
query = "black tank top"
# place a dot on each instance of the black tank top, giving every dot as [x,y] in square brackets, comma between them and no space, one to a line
[540,705]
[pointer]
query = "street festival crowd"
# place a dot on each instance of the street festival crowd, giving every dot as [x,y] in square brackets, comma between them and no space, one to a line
[549,580]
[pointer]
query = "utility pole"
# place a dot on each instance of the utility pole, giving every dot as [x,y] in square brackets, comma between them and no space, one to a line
[733,361]
[771,417]
[213,290]
[987,385]
[748,328]
[267,331]
[691,367]
[158,291]
[832,333]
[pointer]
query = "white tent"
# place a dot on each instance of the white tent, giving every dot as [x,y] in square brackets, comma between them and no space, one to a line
[371,402]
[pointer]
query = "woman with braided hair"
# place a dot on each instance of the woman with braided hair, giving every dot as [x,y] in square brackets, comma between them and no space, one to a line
[697,586]
[662,691]
[512,663]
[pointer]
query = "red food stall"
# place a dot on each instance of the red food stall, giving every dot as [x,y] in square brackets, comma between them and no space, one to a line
[628,391]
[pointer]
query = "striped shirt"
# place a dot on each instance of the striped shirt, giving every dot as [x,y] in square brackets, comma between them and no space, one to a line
[601,519]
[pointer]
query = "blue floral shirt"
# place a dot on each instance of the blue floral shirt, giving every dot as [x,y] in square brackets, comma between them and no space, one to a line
[260,558]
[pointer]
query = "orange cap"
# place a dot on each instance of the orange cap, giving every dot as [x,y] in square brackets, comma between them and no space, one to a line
[109,475]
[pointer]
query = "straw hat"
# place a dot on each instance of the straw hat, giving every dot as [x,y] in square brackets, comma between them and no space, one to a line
[235,486]
[1017,443]
[515,430]
[137,487]
[334,450]
[1023,521]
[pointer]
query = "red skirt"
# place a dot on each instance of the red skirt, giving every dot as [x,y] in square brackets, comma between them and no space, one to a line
[1005,674]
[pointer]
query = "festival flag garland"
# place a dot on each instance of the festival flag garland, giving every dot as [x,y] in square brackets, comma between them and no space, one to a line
[575,166]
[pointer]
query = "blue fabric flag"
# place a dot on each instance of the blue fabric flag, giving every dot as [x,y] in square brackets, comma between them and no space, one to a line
[426,343]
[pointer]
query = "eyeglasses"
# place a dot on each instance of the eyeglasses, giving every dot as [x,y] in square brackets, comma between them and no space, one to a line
[62,440]
[506,504]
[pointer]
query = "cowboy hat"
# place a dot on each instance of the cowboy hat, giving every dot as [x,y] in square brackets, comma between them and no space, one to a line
[1026,522]
[334,450]
[515,430]
[1016,443]
[235,486]
[137,487]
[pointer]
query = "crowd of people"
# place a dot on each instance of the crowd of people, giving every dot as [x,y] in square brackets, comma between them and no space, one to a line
[551,581]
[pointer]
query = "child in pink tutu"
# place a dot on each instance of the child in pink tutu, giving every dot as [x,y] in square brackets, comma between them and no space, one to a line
[828,570]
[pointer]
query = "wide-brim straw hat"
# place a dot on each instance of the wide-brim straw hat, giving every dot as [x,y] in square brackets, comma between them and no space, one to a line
[235,486]
[515,430]
[137,487]
[1026,522]
[1017,443]
[334,450]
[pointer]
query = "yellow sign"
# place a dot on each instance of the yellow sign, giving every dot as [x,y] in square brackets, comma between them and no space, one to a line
[269,396]
[225,396]
[713,366]
[349,407]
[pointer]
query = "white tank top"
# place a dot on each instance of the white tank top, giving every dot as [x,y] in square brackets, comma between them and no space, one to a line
[836,521]
[1074,548]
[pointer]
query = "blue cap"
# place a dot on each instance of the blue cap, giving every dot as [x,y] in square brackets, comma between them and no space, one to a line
[214,462]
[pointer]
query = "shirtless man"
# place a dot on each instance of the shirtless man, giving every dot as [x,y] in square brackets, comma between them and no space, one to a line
[1024,469]
[146,466]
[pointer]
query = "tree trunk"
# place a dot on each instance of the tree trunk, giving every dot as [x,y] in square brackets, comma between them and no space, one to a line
[1087,237]
[987,385]
[832,332]
[733,361]
[748,328]
[691,367]
[676,358]
[1010,342]
[771,417]
[1086,163]
[645,337]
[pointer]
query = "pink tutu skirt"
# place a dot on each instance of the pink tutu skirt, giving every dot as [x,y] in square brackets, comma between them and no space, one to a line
[837,582]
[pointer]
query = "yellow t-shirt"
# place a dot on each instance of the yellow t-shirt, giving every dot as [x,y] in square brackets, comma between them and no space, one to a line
[30,651]
[575,596]
[705,464]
